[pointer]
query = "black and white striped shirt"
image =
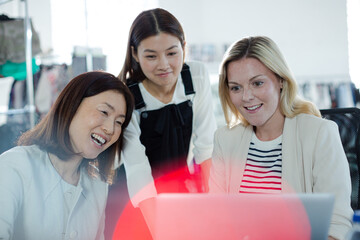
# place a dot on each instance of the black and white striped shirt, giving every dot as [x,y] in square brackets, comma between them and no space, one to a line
[263,167]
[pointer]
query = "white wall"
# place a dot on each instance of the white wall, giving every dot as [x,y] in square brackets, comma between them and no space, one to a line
[61,25]
[108,25]
[312,34]
[353,7]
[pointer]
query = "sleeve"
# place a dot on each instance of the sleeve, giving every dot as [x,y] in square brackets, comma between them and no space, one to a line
[217,182]
[204,125]
[11,192]
[137,167]
[331,174]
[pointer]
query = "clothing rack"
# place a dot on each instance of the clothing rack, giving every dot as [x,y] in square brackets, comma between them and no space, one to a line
[30,108]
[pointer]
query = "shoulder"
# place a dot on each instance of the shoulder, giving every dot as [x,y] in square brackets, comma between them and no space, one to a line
[310,126]
[22,154]
[200,77]
[23,161]
[312,121]
[226,132]
[197,68]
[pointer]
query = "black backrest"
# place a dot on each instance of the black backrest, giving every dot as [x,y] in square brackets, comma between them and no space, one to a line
[348,120]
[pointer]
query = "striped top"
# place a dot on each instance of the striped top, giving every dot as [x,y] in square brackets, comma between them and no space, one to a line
[263,167]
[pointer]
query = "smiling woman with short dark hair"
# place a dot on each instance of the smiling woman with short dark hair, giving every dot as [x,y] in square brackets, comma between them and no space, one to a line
[54,185]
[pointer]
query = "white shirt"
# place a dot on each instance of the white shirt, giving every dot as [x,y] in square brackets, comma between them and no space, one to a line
[138,170]
[33,203]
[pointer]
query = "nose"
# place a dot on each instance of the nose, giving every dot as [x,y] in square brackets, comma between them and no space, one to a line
[163,63]
[247,95]
[108,127]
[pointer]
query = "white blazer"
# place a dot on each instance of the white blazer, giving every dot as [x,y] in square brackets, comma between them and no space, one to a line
[313,161]
[32,200]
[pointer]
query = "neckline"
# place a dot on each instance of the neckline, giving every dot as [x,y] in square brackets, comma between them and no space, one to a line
[273,141]
[61,176]
[149,94]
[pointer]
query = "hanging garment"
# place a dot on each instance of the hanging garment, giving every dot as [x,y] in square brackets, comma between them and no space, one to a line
[17,70]
[79,60]
[53,80]
[344,95]
[12,41]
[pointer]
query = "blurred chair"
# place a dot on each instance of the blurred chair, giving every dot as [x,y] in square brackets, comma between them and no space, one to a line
[348,120]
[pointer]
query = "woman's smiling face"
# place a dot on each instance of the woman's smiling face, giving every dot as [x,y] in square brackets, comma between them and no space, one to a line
[97,123]
[161,59]
[255,92]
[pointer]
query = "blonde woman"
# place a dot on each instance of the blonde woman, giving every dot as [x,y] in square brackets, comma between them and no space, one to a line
[275,142]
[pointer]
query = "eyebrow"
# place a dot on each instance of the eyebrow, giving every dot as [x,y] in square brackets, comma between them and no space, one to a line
[256,76]
[172,47]
[112,108]
[109,105]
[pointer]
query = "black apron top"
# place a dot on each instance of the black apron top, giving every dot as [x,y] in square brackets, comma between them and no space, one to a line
[166,132]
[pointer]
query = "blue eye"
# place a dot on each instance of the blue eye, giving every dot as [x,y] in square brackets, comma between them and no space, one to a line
[235,88]
[258,83]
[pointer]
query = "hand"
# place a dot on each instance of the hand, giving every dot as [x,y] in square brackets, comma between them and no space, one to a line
[205,173]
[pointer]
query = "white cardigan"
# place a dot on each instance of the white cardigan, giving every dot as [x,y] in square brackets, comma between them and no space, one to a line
[32,200]
[313,161]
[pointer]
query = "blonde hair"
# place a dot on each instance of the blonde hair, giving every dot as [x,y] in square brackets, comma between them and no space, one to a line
[266,51]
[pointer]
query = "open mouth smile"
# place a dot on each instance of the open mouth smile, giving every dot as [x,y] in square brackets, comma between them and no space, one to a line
[98,139]
[252,108]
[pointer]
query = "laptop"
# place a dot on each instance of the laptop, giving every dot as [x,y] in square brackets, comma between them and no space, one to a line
[242,216]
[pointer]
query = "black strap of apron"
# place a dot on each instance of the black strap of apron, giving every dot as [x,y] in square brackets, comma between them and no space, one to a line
[187,81]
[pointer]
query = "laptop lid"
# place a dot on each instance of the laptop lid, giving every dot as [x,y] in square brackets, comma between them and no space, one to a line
[242,216]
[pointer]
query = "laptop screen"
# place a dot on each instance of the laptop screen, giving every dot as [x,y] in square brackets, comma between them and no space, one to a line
[242,216]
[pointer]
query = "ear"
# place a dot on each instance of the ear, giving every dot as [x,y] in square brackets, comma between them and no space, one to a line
[184,47]
[134,54]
